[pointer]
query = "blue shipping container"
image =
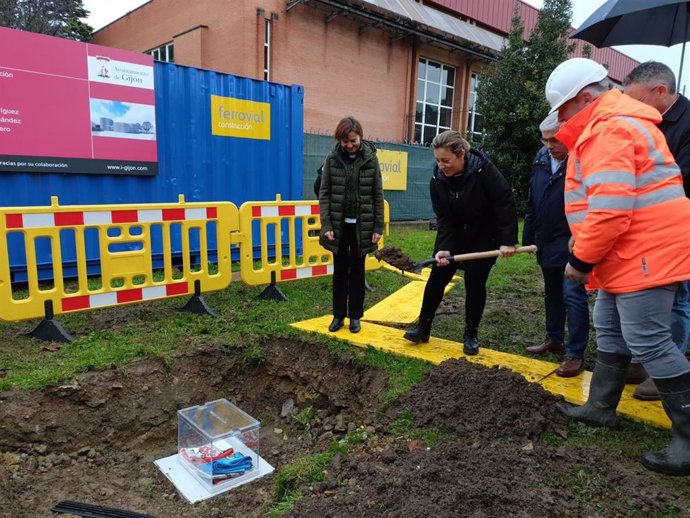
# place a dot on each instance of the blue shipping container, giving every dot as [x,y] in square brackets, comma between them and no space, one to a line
[192,161]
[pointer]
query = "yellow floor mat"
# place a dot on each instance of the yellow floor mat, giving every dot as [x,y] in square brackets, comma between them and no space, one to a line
[423,275]
[574,390]
[401,307]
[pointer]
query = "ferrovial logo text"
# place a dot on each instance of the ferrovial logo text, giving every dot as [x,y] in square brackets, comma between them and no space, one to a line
[393,169]
[232,117]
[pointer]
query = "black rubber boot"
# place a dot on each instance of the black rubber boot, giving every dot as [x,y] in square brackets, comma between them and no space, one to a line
[675,458]
[470,344]
[608,381]
[420,332]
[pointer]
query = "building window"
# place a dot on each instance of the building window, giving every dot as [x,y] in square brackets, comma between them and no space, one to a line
[267,50]
[163,53]
[435,94]
[475,122]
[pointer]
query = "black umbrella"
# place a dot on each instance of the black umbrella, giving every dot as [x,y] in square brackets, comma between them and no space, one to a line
[638,22]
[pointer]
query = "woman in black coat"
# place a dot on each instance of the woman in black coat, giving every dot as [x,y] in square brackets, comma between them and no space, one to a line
[475,211]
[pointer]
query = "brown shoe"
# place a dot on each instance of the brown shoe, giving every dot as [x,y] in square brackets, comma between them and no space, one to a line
[547,346]
[636,374]
[647,391]
[570,367]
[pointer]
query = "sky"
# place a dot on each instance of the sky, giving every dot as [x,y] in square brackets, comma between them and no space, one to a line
[105,11]
[582,9]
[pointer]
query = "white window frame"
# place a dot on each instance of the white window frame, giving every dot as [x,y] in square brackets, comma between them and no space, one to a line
[421,124]
[474,133]
[165,52]
[267,49]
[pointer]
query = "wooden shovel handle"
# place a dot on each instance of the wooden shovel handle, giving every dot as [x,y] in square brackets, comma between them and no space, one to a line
[460,258]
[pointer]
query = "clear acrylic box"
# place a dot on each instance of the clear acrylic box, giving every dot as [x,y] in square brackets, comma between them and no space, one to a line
[218,444]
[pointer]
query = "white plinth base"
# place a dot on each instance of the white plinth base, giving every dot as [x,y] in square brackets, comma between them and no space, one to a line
[191,488]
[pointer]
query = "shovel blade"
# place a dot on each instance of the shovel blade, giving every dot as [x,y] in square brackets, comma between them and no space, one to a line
[423,264]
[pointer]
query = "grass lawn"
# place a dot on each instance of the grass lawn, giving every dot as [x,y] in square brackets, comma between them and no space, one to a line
[513,319]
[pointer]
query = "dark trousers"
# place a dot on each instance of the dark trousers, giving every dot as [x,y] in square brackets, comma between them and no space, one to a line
[348,276]
[554,304]
[563,299]
[476,275]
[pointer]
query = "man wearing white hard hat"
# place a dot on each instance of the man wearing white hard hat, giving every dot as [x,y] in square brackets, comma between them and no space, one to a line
[628,213]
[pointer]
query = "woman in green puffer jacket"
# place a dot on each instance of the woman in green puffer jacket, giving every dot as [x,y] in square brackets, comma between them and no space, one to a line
[351,207]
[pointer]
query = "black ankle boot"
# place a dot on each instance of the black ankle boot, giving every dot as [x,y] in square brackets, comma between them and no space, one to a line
[471,345]
[420,332]
[605,389]
[675,458]
[335,324]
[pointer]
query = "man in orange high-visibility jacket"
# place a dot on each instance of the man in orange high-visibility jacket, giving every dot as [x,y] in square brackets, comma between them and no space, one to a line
[627,211]
[654,83]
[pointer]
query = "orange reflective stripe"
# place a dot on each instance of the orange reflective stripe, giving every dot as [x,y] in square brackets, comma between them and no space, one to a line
[654,153]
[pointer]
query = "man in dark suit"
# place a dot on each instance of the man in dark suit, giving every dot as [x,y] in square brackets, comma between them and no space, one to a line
[654,83]
[547,227]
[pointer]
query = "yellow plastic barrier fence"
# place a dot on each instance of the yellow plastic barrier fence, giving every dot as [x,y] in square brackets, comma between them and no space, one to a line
[288,241]
[125,253]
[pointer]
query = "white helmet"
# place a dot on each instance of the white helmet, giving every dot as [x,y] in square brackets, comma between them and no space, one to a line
[571,76]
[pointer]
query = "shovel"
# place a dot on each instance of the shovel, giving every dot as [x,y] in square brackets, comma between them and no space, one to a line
[461,258]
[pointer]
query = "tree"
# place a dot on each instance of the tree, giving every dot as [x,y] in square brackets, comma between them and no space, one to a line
[511,94]
[587,51]
[61,18]
[548,44]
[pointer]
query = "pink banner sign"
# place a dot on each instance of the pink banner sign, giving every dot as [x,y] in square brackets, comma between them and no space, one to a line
[70,107]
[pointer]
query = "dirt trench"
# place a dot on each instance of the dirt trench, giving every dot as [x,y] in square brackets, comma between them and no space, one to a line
[95,438]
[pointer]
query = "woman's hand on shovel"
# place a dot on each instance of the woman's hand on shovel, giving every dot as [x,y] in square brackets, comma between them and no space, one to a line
[442,258]
[507,251]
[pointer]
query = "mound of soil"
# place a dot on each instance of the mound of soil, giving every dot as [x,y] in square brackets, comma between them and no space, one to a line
[496,465]
[94,440]
[475,401]
[480,478]
[396,257]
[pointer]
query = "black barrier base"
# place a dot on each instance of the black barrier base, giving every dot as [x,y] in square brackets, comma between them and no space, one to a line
[198,306]
[51,331]
[273,292]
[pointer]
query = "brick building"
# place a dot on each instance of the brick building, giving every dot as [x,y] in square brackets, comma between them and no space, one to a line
[406,68]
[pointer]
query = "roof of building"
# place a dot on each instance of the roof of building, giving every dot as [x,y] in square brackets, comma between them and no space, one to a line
[498,15]
[442,22]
